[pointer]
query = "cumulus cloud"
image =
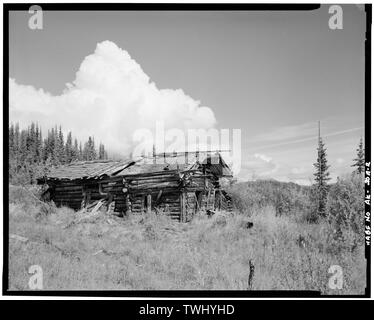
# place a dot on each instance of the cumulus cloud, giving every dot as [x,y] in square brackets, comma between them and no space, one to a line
[110,98]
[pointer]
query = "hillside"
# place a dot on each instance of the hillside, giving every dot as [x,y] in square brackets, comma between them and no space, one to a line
[79,251]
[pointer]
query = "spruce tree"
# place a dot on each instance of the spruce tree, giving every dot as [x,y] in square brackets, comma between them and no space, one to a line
[80,155]
[55,148]
[38,144]
[12,152]
[16,146]
[69,148]
[11,142]
[75,150]
[102,153]
[89,152]
[61,147]
[359,162]
[30,155]
[321,178]
[93,149]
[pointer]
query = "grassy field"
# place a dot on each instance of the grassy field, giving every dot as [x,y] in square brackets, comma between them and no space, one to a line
[153,253]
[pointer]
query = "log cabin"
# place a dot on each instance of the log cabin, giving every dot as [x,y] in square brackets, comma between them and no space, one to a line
[175,184]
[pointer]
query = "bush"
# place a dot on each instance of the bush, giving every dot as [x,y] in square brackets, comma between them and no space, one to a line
[346,208]
[285,198]
[27,173]
[28,199]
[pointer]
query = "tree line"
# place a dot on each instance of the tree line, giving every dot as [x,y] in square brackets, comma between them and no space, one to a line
[321,187]
[31,154]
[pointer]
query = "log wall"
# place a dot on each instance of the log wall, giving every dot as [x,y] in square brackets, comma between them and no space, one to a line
[167,192]
[162,189]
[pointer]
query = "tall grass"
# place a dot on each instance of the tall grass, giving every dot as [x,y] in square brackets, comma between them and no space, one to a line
[153,252]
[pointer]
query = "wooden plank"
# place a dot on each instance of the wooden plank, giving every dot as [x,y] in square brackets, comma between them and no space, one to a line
[182,206]
[149,203]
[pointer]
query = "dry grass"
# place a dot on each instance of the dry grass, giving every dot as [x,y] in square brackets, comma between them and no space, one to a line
[154,253]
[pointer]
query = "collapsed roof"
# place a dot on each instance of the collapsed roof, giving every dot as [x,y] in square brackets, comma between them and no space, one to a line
[98,169]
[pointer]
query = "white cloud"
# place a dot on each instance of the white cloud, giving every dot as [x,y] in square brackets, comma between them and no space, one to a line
[263,157]
[110,98]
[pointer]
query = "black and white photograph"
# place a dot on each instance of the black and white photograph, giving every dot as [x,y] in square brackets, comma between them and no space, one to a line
[187,148]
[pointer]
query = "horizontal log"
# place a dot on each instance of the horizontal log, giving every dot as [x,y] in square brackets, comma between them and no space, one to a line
[85,182]
[66,198]
[170,204]
[113,191]
[145,191]
[69,205]
[66,190]
[150,174]
[133,203]
[72,188]
[61,183]
[154,184]
[66,194]
[150,181]
[172,212]
[176,210]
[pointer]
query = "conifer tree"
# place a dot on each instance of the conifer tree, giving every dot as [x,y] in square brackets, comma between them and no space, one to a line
[30,155]
[69,148]
[359,162]
[80,156]
[89,152]
[39,144]
[93,149]
[11,141]
[75,150]
[16,146]
[321,178]
[61,147]
[102,153]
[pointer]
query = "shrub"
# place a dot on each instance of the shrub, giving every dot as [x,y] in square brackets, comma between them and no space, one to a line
[285,198]
[346,209]
[28,198]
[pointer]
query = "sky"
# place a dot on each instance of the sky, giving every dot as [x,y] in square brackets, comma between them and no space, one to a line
[273,75]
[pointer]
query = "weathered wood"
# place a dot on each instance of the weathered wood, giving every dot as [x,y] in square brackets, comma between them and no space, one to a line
[128,204]
[173,191]
[68,189]
[149,203]
[157,185]
[183,206]
[154,178]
